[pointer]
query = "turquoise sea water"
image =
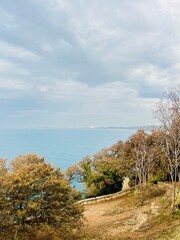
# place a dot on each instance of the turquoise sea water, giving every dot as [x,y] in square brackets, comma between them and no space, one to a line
[61,147]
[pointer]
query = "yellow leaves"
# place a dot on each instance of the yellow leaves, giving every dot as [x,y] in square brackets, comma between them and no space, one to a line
[33,205]
[34,193]
[3,169]
[21,213]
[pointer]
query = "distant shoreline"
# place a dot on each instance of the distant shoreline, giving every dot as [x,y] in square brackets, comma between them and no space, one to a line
[146,127]
[131,127]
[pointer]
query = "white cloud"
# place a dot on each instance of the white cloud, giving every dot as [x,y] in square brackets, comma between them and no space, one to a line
[9,67]
[150,75]
[47,47]
[10,51]
[155,76]
[7,21]
[125,35]
[13,84]
[77,91]
[100,58]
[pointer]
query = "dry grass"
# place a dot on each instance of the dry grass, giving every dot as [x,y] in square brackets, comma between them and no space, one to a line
[123,219]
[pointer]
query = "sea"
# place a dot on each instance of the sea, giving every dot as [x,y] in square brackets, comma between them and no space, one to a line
[60,147]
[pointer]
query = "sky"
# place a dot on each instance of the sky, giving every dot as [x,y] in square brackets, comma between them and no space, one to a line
[79,63]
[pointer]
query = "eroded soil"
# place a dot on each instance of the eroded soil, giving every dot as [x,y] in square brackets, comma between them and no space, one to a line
[124,219]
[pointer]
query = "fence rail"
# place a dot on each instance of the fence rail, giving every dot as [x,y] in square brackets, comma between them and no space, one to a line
[106,197]
[118,194]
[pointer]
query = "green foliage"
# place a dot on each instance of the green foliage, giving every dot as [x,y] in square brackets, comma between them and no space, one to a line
[140,158]
[164,200]
[35,196]
[177,202]
[101,173]
[143,158]
[158,178]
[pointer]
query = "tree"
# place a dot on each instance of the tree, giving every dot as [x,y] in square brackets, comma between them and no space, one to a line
[35,196]
[158,171]
[168,113]
[143,153]
[100,173]
[108,177]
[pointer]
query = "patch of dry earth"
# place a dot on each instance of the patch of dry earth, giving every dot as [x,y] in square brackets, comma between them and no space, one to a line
[119,216]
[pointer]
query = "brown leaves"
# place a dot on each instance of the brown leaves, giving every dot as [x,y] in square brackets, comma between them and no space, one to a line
[32,194]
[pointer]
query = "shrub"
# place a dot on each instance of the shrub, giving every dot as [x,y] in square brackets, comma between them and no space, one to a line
[149,191]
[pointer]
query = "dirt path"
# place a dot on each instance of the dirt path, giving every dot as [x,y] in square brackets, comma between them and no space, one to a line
[120,219]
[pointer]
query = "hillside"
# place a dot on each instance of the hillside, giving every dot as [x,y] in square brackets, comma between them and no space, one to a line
[123,218]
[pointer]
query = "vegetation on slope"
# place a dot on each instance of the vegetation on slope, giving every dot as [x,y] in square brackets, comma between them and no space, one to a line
[144,157]
[36,201]
[125,218]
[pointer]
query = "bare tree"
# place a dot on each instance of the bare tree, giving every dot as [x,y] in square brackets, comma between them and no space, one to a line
[168,113]
[144,153]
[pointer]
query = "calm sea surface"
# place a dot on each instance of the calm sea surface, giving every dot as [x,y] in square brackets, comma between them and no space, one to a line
[61,147]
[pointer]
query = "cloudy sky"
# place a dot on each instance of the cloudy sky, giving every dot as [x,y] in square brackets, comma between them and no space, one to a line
[86,62]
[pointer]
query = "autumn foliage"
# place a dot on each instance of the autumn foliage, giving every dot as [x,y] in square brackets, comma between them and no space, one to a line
[145,157]
[36,200]
[140,158]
